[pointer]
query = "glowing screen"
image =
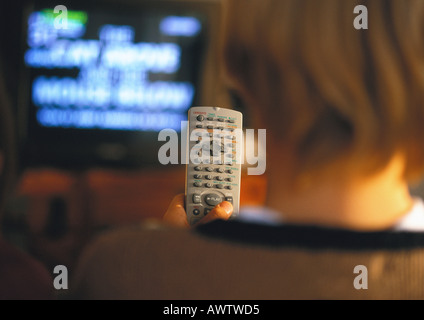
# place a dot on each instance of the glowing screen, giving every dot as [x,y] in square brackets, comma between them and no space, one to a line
[104,71]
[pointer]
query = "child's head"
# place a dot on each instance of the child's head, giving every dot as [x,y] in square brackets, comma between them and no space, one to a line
[325,90]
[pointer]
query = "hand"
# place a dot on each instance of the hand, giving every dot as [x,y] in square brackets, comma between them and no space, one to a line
[177,216]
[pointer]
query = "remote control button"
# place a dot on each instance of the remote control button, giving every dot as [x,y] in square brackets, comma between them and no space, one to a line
[219,178]
[196,212]
[221,120]
[220,170]
[198,168]
[200,118]
[208,185]
[208,177]
[209,169]
[210,118]
[215,151]
[219,186]
[220,128]
[224,149]
[207,210]
[230,171]
[210,127]
[229,179]
[197,176]
[229,187]
[197,184]
[213,199]
[229,199]
[199,126]
[196,198]
[196,161]
[231,121]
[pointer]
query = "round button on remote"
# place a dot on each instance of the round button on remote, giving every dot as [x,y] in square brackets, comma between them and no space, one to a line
[213,199]
[200,118]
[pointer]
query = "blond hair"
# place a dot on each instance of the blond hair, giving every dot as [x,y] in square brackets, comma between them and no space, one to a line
[325,89]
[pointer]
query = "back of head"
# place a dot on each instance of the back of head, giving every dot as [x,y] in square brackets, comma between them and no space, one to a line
[325,90]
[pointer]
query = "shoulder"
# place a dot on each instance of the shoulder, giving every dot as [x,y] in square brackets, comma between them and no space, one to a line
[138,240]
[122,263]
[231,259]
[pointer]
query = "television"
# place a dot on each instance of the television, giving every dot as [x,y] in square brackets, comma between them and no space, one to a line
[102,79]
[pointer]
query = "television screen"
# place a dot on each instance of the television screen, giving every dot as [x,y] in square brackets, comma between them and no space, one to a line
[104,80]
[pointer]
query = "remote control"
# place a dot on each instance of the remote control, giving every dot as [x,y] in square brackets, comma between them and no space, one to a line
[214,154]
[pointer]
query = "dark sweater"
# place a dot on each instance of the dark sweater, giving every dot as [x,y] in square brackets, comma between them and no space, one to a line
[236,260]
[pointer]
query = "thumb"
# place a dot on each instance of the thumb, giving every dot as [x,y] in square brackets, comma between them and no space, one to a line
[176,215]
[222,211]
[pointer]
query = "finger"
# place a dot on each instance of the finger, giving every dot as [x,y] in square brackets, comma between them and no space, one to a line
[176,214]
[221,211]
